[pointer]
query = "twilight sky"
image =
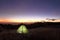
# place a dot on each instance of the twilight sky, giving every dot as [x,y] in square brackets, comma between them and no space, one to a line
[29,9]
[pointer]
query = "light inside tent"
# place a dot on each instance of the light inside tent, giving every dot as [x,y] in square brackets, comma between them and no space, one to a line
[22,29]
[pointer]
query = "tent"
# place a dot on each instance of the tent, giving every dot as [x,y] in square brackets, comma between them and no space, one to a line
[22,29]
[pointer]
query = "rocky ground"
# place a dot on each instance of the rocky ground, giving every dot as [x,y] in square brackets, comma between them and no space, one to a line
[40,33]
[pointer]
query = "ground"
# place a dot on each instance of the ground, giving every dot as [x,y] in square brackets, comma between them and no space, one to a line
[41,33]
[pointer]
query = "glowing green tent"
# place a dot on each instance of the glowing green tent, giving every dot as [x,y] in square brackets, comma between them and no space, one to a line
[22,29]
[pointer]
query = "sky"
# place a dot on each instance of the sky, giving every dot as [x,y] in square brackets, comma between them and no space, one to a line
[29,9]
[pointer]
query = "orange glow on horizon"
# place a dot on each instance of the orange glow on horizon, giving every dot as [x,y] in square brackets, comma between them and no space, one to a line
[16,20]
[25,20]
